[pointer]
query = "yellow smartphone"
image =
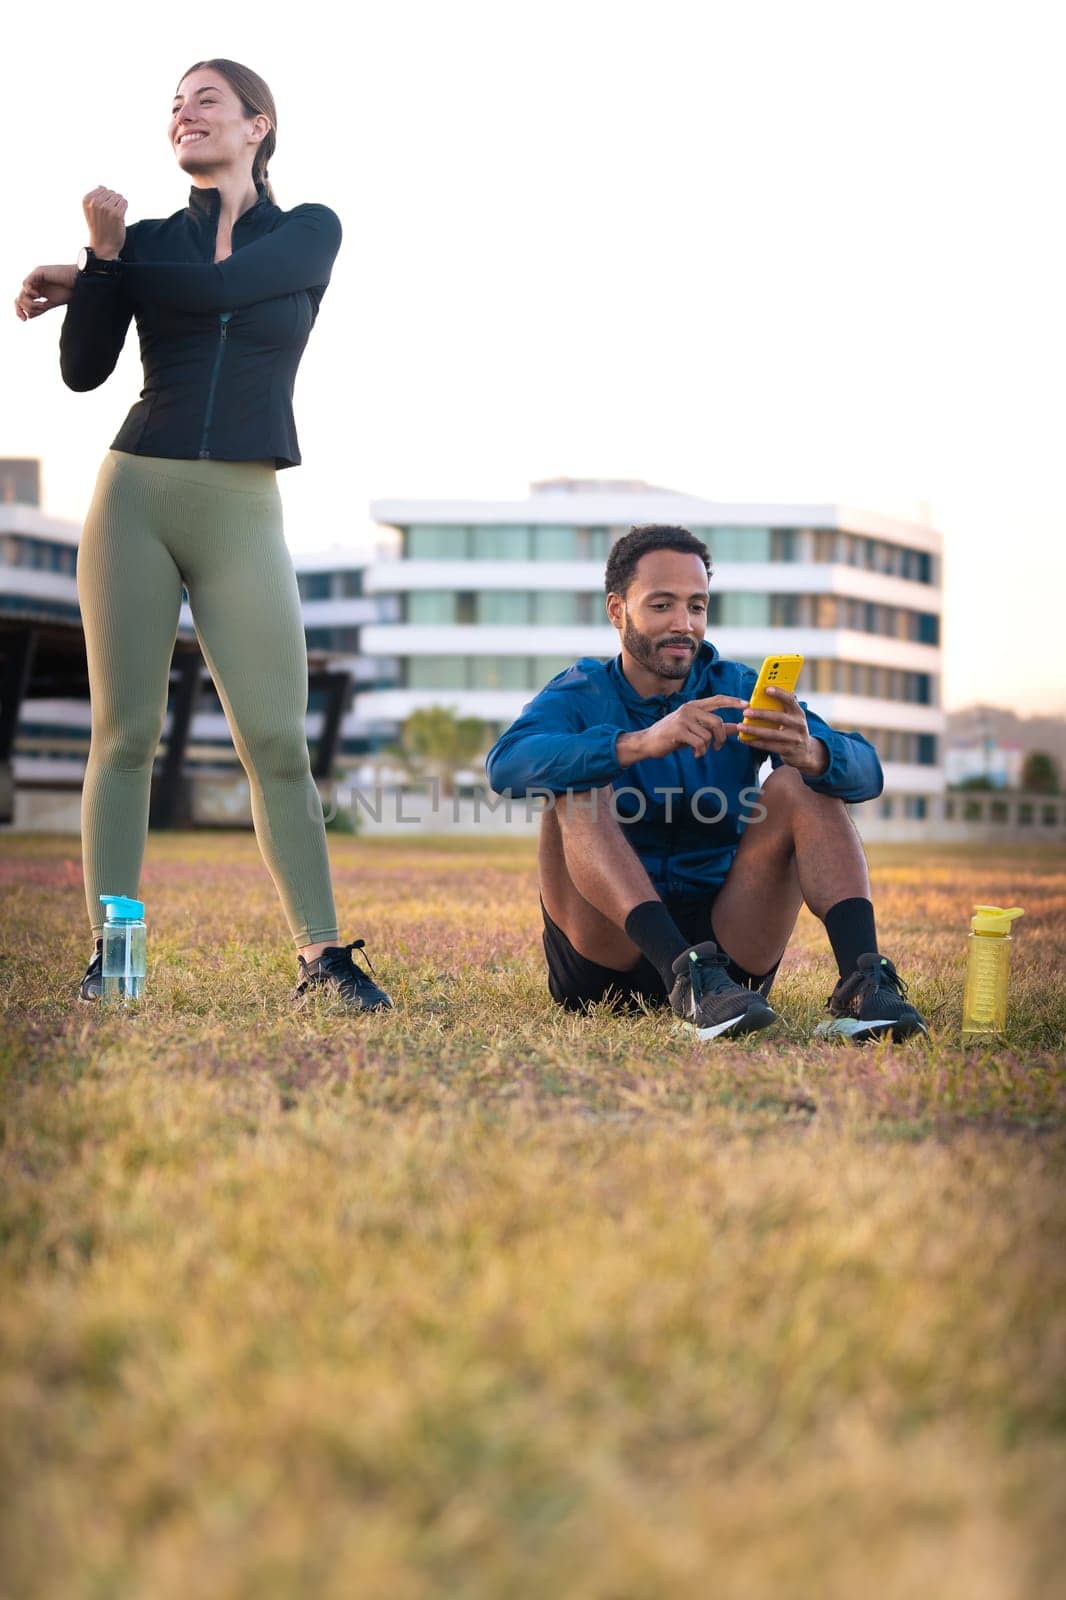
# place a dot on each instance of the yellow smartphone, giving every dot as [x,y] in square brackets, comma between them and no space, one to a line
[776,672]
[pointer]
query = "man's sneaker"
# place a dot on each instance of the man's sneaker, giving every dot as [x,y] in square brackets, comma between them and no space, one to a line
[871,1003]
[93,981]
[706,997]
[335,972]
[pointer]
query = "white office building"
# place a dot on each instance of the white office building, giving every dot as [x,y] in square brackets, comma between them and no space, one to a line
[497,597]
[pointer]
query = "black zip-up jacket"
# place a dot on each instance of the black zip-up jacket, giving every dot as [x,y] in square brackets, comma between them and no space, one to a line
[220,341]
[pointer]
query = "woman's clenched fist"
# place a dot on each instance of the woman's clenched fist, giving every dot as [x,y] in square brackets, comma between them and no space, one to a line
[105,212]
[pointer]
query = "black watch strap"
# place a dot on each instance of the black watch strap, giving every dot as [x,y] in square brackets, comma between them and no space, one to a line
[92,266]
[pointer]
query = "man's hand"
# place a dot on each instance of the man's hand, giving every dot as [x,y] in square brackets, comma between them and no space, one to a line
[784,733]
[43,290]
[105,212]
[694,725]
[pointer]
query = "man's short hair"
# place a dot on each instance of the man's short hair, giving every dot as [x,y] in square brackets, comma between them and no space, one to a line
[622,561]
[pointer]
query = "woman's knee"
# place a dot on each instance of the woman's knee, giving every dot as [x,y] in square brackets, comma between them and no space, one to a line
[278,754]
[126,744]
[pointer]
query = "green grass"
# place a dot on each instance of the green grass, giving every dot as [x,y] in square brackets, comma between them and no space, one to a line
[482,1300]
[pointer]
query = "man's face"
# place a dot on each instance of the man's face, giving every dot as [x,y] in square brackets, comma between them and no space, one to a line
[663,615]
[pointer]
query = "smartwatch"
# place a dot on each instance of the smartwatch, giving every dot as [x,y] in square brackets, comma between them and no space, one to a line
[93,266]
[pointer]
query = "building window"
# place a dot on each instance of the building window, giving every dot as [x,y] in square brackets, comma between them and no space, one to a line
[594,544]
[498,672]
[431,606]
[915,807]
[503,543]
[313,585]
[547,667]
[736,544]
[557,608]
[502,607]
[436,672]
[435,542]
[555,544]
[745,610]
[785,610]
[351,583]
[784,544]
[343,639]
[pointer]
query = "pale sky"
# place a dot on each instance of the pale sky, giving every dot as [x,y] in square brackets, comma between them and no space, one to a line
[791,251]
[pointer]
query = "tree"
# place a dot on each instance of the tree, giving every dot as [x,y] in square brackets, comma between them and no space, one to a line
[1040,773]
[436,742]
[980,781]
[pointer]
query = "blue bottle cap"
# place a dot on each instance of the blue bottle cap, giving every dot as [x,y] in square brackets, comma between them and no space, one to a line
[119,909]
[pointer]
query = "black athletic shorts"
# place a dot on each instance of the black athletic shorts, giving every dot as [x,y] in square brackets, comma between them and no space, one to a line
[576,982]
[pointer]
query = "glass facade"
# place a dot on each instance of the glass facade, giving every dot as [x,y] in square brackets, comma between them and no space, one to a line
[431,606]
[344,584]
[337,638]
[863,616]
[430,542]
[500,608]
[551,542]
[556,544]
[506,543]
[39,555]
[563,608]
[899,744]
[736,544]
[875,555]
[819,677]
[313,585]
[503,607]
[744,610]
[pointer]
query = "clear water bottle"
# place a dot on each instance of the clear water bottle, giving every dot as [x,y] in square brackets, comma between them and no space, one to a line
[125,953]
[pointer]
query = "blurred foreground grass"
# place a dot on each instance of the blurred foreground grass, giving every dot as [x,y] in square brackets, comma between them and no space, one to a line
[482,1300]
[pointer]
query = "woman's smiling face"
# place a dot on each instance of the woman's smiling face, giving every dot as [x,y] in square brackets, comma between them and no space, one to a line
[209,130]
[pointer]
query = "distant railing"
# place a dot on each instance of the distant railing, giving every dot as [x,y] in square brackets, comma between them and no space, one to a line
[971,816]
[1003,811]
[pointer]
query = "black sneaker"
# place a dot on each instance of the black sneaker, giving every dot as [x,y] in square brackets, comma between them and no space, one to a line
[336,972]
[707,999]
[93,981]
[871,1003]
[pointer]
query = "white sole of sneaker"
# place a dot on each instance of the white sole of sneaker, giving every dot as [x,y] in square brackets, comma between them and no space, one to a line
[747,1021]
[852,1028]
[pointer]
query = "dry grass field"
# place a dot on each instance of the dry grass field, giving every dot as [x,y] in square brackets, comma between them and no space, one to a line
[484,1301]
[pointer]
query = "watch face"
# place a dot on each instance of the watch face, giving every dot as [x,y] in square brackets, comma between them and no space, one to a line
[83,259]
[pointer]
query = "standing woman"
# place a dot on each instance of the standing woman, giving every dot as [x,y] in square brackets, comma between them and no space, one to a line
[224,294]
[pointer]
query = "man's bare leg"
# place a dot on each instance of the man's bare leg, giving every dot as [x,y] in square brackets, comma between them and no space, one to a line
[591,878]
[806,849]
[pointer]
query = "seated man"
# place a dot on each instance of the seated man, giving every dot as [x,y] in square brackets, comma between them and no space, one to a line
[665,871]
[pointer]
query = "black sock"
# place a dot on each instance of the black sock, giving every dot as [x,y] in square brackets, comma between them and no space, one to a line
[657,936]
[852,932]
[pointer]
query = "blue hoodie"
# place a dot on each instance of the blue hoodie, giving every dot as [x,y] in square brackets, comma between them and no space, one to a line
[565,741]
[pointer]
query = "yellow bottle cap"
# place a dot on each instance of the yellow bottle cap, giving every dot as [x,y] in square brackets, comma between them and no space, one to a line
[990,919]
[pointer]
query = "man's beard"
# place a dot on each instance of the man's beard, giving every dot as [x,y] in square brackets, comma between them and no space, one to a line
[648,652]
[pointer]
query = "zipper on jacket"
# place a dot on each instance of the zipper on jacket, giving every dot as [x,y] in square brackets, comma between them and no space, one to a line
[209,410]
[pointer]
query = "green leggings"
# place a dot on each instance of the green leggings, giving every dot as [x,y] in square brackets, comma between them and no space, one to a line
[214,526]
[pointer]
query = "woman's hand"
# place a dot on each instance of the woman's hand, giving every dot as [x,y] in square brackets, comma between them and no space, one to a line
[105,212]
[43,290]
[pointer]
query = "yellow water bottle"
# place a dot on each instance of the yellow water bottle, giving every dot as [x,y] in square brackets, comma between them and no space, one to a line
[984,1005]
